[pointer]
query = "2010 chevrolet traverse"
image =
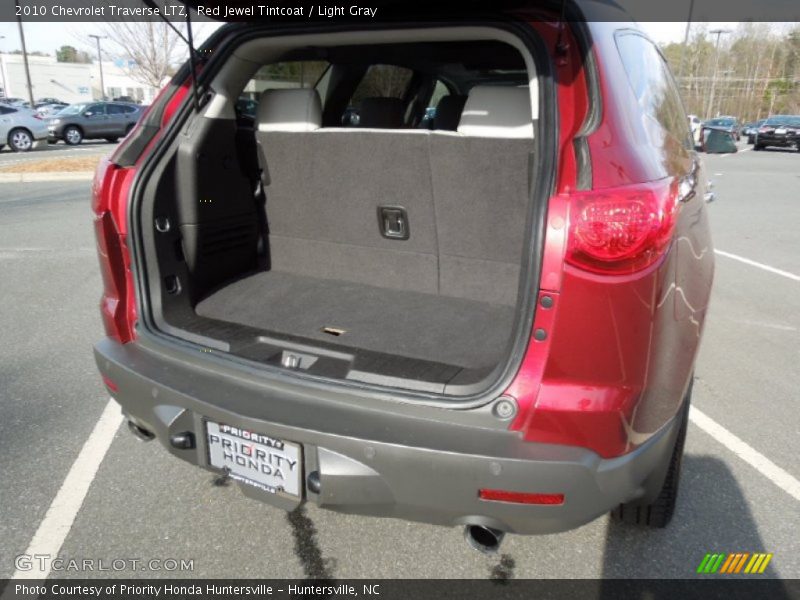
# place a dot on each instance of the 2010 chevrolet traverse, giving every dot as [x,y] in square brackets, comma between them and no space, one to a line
[450,271]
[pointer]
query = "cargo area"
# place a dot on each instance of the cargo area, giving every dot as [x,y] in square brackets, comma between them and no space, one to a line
[377,239]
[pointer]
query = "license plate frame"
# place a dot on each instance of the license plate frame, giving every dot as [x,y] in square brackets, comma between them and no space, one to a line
[270,464]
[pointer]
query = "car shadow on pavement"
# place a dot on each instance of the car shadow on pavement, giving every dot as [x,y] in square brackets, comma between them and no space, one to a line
[712,516]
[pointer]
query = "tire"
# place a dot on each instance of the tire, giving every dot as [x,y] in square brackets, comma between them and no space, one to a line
[658,513]
[112,140]
[757,146]
[129,128]
[20,140]
[73,135]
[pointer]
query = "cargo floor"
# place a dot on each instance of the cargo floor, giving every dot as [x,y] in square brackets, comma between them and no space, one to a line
[442,329]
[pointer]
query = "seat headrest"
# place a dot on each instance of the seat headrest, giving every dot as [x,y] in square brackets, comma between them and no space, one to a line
[289,110]
[381,113]
[448,112]
[497,112]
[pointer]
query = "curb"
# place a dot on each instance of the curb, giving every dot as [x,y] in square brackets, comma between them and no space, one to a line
[48,176]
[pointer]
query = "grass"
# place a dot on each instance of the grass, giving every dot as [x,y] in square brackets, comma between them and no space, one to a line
[75,164]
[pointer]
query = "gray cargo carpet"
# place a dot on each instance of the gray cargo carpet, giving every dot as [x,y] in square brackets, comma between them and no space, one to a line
[443,329]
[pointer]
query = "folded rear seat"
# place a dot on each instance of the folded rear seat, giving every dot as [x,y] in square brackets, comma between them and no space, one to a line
[325,190]
[480,187]
[465,195]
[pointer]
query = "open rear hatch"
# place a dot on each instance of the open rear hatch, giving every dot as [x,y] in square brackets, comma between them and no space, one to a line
[361,206]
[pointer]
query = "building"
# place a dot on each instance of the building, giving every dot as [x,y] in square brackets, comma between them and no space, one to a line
[70,82]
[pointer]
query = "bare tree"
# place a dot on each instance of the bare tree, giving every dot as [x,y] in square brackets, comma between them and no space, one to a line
[152,48]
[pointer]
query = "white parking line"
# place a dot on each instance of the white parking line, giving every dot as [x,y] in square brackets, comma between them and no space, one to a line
[64,508]
[753,263]
[746,452]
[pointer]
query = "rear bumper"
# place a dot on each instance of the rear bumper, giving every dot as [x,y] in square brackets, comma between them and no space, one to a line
[781,141]
[418,463]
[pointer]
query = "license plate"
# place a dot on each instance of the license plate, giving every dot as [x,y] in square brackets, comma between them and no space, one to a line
[780,130]
[267,463]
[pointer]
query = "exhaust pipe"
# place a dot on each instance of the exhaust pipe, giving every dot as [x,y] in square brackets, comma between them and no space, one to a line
[140,432]
[484,539]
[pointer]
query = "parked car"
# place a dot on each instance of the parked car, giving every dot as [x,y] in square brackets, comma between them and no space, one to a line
[750,130]
[21,129]
[48,110]
[781,130]
[48,100]
[729,124]
[93,120]
[507,347]
[11,101]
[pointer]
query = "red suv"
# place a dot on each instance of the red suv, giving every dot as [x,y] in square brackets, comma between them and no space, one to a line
[453,272]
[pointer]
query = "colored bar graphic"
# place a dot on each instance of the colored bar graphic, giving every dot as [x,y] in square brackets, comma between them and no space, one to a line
[702,567]
[734,563]
[732,558]
[741,562]
[764,564]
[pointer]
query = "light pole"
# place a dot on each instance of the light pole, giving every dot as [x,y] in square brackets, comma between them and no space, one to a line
[97,39]
[718,33]
[3,72]
[24,54]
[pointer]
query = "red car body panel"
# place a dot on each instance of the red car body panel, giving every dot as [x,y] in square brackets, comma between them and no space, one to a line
[618,350]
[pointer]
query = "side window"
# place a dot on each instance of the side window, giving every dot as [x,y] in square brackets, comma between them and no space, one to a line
[6,111]
[656,91]
[283,75]
[440,90]
[383,81]
[95,109]
[115,109]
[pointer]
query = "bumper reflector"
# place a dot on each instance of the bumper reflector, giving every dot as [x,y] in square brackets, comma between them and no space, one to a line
[520,497]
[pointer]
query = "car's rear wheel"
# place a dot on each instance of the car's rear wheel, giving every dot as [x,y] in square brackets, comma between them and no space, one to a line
[658,513]
[20,140]
[73,135]
[758,147]
[129,128]
[112,140]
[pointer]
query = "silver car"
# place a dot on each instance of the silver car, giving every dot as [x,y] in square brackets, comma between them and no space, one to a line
[21,128]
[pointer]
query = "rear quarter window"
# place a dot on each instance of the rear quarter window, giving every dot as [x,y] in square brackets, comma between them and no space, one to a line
[655,90]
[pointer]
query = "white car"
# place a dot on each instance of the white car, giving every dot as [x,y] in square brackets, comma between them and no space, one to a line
[21,128]
[696,125]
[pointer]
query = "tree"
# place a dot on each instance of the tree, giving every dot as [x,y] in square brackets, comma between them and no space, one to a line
[151,49]
[70,54]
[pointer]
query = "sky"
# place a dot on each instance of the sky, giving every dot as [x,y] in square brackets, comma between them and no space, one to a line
[46,37]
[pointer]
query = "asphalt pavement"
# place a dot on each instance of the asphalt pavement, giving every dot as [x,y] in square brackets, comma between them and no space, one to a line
[144,504]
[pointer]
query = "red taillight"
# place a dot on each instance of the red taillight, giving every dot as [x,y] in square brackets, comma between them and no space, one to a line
[110,384]
[109,199]
[620,230]
[521,497]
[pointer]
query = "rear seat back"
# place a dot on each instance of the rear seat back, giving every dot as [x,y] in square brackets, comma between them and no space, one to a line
[480,185]
[465,199]
[325,189]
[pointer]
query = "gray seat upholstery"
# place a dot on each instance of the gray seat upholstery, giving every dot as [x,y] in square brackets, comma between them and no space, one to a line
[465,197]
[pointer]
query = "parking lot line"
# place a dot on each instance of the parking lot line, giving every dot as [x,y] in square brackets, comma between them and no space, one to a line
[64,508]
[746,452]
[753,263]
